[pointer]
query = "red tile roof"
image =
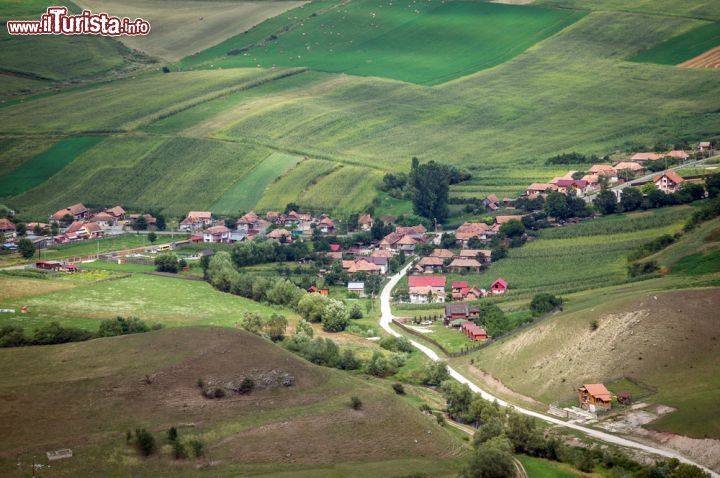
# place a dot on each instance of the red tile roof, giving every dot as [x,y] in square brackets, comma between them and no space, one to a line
[426,281]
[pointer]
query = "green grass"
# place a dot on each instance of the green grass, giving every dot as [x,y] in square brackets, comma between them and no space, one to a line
[16,151]
[705,9]
[245,193]
[345,189]
[418,43]
[44,165]
[290,186]
[682,47]
[695,264]
[540,468]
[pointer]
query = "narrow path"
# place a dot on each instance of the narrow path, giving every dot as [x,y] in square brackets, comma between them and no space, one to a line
[386,317]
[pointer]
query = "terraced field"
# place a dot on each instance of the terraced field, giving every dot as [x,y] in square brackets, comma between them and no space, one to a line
[419,43]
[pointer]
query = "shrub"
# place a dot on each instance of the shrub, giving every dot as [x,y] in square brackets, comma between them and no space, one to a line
[544,303]
[398,388]
[642,268]
[396,344]
[355,312]
[435,373]
[246,386]
[355,403]
[197,446]
[145,441]
[335,316]
[179,451]
[54,333]
[123,326]
[348,361]
[166,263]
[172,434]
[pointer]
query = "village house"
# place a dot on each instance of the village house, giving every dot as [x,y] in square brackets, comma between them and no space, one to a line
[7,226]
[491,203]
[635,168]
[540,189]
[365,222]
[404,238]
[464,264]
[603,170]
[217,234]
[150,220]
[505,219]
[644,157]
[461,291]
[594,396]
[426,295]
[103,219]
[248,223]
[296,219]
[482,255]
[442,254]
[117,212]
[678,154]
[704,146]
[436,283]
[460,311]
[498,287]
[430,264]
[473,332]
[77,211]
[356,288]
[80,230]
[382,262]
[279,235]
[469,230]
[575,186]
[668,182]
[196,220]
[361,265]
[326,225]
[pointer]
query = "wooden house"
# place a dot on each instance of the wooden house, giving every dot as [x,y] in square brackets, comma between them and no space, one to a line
[594,396]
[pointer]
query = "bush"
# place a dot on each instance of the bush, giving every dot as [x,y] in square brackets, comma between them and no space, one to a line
[197,446]
[246,386]
[544,303]
[398,388]
[123,326]
[396,344]
[179,451]
[355,403]
[172,434]
[435,373]
[642,268]
[348,361]
[656,245]
[166,263]
[54,333]
[335,316]
[145,441]
[355,312]
[213,392]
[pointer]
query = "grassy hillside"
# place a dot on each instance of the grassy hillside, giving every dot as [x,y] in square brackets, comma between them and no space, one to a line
[420,43]
[683,47]
[183,27]
[273,430]
[705,9]
[666,340]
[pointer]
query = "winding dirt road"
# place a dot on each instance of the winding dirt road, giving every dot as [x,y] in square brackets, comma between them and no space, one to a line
[385,321]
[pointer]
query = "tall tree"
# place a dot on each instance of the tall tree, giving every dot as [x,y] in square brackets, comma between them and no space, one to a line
[430,185]
[26,248]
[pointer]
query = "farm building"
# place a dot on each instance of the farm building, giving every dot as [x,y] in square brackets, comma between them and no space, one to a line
[678,154]
[630,166]
[49,265]
[468,293]
[540,188]
[704,146]
[357,288]
[482,255]
[668,182]
[430,264]
[465,264]
[442,253]
[594,396]
[498,287]
[460,311]
[474,332]
[504,219]
[603,170]
[643,157]
[117,212]
[77,211]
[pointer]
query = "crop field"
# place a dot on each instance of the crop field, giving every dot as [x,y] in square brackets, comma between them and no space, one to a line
[274,431]
[181,28]
[345,189]
[123,104]
[684,47]
[288,187]
[147,172]
[405,42]
[42,166]
[15,151]
[245,193]
[703,9]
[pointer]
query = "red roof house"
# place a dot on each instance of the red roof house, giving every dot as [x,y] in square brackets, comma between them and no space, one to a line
[499,286]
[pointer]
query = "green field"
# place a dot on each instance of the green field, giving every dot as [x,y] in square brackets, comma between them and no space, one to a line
[288,187]
[16,151]
[682,47]
[419,43]
[348,188]
[42,166]
[540,468]
[245,193]
[705,9]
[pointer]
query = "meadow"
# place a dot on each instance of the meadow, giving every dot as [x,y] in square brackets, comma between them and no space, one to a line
[274,431]
[681,8]
[245,193]
[540,468]
[16,151]
[417,43]
[286,188]
[44,165]
[682,47]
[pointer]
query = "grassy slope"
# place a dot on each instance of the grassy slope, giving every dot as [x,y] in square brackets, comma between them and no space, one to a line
[539,468]
[704,9]
[286,188]
[44,165]
[16,151]
[682,47]
[419,43]
[270,431]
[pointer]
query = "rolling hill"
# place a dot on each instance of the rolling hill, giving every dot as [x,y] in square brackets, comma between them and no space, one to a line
[307,428]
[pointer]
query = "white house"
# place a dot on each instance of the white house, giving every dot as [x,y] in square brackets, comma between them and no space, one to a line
[217,234]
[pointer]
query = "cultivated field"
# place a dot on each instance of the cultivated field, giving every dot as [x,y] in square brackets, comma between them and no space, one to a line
[688,49]
[287,188]
[709,59]
[307,429]
[704,9]
[181,28]
[419,43]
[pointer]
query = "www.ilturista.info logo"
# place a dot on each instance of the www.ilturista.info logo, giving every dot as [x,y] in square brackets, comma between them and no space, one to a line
[57,22]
